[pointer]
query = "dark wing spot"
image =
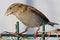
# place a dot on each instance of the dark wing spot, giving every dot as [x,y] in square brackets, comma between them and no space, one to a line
[10,8]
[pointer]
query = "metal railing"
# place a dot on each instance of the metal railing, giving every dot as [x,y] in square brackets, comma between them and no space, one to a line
[30,35]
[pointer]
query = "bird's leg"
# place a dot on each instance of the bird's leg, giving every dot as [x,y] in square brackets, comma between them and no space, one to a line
[35,33]
[23,38]
[24,30]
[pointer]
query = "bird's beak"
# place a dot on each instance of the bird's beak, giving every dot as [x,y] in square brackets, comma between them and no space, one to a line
[7,14]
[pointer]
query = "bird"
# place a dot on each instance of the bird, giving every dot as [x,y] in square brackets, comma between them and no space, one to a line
[29,16]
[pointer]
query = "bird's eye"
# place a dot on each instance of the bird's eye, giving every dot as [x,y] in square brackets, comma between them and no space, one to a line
[10,8]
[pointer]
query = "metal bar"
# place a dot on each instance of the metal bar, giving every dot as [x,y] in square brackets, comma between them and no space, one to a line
[17,29]
[43,29]
[29,35]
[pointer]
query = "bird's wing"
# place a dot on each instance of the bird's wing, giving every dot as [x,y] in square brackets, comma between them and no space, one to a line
[38,13]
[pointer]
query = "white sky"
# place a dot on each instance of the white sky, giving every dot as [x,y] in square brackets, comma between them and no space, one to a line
[51,8]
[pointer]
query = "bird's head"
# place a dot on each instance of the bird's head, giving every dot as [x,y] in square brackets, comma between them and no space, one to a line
[13,8]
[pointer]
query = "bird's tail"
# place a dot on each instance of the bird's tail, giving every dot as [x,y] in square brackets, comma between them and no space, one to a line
[52,23]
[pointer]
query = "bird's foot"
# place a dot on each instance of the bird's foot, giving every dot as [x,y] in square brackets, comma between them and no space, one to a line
[35,34]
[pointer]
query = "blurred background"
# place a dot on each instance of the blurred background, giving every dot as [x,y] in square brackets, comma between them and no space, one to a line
[50,8]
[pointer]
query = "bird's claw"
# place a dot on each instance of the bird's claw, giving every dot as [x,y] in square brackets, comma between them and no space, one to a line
[35,34]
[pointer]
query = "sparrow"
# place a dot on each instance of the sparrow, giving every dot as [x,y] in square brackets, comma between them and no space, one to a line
[29,16]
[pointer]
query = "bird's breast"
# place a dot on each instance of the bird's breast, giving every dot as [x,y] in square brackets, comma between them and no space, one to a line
[30,19]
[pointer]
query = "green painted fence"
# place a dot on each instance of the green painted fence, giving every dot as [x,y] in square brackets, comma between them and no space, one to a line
[29,35]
